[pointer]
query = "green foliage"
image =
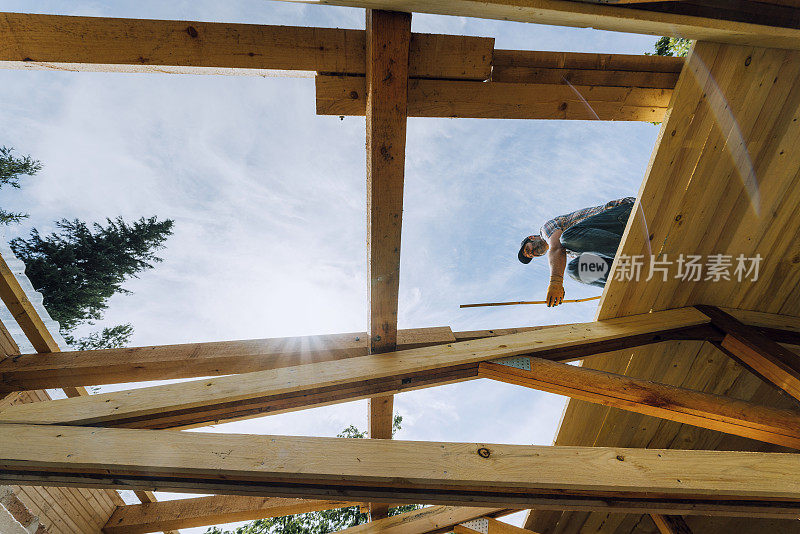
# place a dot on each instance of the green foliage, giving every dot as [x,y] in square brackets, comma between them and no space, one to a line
[78,268]
[353,432]
[672,46]
[11,170]
[396,423]
[109,338]
[323,522]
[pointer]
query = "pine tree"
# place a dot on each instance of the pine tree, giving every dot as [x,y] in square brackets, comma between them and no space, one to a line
[322,522]
[78,268]
[11,170]
[108,338]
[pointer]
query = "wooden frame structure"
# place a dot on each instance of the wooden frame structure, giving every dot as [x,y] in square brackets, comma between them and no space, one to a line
[736,94]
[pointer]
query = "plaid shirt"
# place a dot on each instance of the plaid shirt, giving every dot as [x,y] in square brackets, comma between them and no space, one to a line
[562,222]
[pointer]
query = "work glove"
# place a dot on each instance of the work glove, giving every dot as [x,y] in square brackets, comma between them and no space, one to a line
[555,291]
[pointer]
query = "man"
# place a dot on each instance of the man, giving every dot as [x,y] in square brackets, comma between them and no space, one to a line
[597,230]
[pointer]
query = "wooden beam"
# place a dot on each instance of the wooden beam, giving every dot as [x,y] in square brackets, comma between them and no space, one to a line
[741,418]
[135,45]
[166,362]
[609,70]
[705,482]
[210,400]
[601,17]
[670,524]
[345,95]
[206,511]
[541,59]
[779,328]
[421,521]
[386,85]
[757,352]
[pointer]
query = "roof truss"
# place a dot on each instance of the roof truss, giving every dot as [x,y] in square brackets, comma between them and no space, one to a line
[446,76]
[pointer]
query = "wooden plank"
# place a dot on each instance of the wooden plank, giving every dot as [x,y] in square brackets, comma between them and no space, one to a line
[670,524]
[585,77]
[421,521]
[763,423]
[780,328]
[757,352]
[276,390]
[136,45]
[613,70]
[165,362]
[345,95]
[206,511]
[388,470]
[601,17]
[586,61]
[469,335]
[386,94]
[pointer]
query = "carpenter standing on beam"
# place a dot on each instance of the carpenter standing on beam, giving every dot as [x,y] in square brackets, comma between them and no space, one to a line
[596,230]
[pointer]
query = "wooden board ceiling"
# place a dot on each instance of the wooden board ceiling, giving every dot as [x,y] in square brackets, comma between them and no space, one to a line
[723,179]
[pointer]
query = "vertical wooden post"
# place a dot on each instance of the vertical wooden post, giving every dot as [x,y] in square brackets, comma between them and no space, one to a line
[388,37]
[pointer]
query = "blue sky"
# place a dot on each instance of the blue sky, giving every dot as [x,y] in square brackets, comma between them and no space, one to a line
[269,204]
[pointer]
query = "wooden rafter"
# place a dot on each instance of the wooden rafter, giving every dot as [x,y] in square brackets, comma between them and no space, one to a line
[601,17]
[784,329]
[763,423]
[704,482]
[23,311]
[29,320]
[754,350]
[345,95]
[136,45]
[671,524]
[424,520]
[205,511]
[206,401]
[165,362]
